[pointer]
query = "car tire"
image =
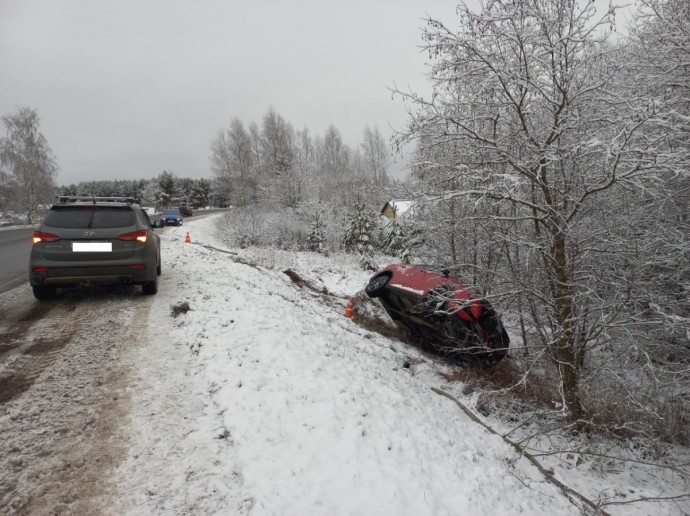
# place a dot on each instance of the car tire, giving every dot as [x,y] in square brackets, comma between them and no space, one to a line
[497,335]
[44,293]
[496,332]
[158,267]
[150,287]
[377,285]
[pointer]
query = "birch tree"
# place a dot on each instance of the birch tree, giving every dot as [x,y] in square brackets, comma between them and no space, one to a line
[277,147]
[232,163]
[222,166]
[241,157]
[26,155]
[10,192]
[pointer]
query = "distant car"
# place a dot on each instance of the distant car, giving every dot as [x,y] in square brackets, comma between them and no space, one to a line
[172,217]
[436,306]
[186,211]
[99,240]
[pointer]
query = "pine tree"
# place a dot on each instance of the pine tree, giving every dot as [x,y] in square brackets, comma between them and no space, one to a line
[360,234]
[317,235]
[396,241]
[168,185]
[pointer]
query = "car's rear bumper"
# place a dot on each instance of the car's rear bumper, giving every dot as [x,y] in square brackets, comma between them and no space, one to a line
[67,276]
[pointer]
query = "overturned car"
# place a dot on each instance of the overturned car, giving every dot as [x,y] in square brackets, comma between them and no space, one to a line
[437,307]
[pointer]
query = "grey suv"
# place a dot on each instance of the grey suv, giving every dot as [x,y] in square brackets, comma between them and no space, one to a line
[94,240]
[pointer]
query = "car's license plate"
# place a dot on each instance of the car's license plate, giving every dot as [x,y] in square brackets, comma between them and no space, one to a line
[92,247]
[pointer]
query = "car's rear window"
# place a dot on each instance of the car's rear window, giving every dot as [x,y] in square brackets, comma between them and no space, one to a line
[89,217]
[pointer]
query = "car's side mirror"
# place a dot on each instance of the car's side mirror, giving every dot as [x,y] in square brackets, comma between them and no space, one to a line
[157,224]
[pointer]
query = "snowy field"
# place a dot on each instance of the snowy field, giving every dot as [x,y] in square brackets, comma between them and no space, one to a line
[264,399]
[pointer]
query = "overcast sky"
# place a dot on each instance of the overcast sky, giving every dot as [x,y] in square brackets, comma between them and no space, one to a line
[127,89]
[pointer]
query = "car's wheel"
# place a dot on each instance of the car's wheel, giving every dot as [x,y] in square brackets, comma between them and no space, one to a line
[44,293]
[497,336]
[377,285]
[150,288]
[158,267]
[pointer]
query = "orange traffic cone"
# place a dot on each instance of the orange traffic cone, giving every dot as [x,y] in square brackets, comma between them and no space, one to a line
[350,310]
[187,240]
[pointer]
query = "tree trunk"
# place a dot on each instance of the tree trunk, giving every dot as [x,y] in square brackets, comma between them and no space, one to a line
[453,249]
[565,353]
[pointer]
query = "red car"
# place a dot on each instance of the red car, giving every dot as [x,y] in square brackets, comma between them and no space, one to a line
[434,305]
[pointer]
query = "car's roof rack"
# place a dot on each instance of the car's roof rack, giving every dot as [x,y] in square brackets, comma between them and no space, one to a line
[65,199]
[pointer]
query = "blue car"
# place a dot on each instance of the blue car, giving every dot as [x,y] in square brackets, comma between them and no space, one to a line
[172,217]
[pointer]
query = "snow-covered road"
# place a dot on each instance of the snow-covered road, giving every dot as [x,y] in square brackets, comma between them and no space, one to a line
[261,399]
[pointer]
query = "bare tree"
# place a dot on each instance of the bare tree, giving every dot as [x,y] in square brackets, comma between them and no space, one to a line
[332,158]
[276,143]
[255,146]
[27,156]
[335,175]
[222,165]
[376,155]
[294,184]
[525,108]
[232,162]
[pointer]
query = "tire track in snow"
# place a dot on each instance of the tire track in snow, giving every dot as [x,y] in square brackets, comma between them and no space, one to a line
[56,431]
[32,345]
[16,320]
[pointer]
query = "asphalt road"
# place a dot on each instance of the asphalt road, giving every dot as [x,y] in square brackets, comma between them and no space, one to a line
[15,247]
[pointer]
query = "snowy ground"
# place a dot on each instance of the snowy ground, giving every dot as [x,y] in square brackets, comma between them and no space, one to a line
[264,399]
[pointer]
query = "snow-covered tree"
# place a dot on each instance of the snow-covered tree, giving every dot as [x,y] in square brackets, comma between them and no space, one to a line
[360,233]
[277,147]
[376,156]
[316,240]
[27,158]
[395,241]
[535,133]
[232,162]
[168,188]
[10,192]
[151,194]
[201,193]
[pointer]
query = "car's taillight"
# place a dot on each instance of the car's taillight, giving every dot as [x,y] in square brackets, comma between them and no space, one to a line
[40,236]
[138,266]
[140,236]
[40,269]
